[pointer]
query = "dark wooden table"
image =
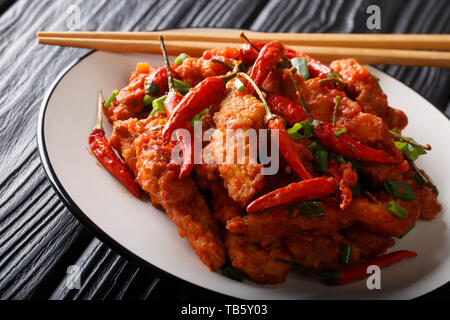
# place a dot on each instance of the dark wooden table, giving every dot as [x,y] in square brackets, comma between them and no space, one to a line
[39,237]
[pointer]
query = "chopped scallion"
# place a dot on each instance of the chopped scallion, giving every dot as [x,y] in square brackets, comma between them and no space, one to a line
[322,160]
[407,231]
[346,254]
[340,132]
[340,159]
[399,189]
[181,86]
[147,100]
[310,209]
[111,98]
[198,117]
[179,60]
[158,105]
[238,85]
[411,152]
[394,208]
[307,130]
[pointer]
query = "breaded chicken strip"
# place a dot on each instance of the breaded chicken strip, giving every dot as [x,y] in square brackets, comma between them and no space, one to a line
[159,177]
[364,88]
[257,262]
[237,110]
[319,252]
[370,244]
[270,225]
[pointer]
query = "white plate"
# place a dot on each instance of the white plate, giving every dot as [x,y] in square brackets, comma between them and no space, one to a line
[68,115]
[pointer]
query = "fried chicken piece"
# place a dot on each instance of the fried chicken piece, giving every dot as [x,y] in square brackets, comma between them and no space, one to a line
[238,113]
[128,102]
[376,217]
[319,252]
[195,70]
[364,87]
[223,207]
[159,177]
[257,262]
[270,225]
[370,244]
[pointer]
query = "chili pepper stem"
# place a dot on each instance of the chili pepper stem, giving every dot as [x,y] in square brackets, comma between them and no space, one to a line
[99,125]
[398,136]
[292,71]
[244,37]
[166,60]
[336,109]
[269,115]
[226,64]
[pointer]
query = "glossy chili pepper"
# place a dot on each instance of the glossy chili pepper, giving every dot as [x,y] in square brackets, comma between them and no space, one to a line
[348,147]
[341,143]
[287,147]
[288,109]
[311,189]
[156,81]
[315,67]
[104,153]
[197,99]
[266,61]
[170,104]
[346,178]
[353,273]
[359,271]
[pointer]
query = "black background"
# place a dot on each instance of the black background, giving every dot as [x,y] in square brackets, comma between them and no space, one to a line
[39,237]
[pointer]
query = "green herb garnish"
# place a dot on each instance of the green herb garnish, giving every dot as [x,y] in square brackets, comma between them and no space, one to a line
[301,64]
[111,98]
[399,189]
[394,208]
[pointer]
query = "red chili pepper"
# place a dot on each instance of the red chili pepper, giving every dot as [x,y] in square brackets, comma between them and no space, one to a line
[172,100]
[359,271]
[289,110]
[267,59]
[346,146]
[170,104]
[316,68]
[104,153]
[346,178]
[311,189]
[197,99]
[288,149]
[157,81]
[353,273]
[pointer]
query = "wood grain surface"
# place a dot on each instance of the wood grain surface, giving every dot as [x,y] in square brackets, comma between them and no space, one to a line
[39,237]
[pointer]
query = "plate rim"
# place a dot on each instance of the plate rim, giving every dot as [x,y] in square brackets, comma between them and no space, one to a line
[94,228]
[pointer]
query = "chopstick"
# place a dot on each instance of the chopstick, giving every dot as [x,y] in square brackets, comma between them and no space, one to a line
[380,41]
[195,45]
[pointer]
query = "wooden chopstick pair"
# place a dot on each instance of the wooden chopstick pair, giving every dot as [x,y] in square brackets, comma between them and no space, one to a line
[392,49]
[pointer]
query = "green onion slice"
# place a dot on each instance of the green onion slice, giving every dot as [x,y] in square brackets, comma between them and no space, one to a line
[238,85]
[198,116]
[111,98]
[151,88]
[158,105]
[332,77]
[309,209]
[301,64]
[340,159]
[179,60]
[407,231]
[307,130]
[148,100]
[231,272]
[322,160]
[394,208]
[181,86]
[317,146]
[340,132]
[411,152]
[346,254]
[356,164]
[399,189]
